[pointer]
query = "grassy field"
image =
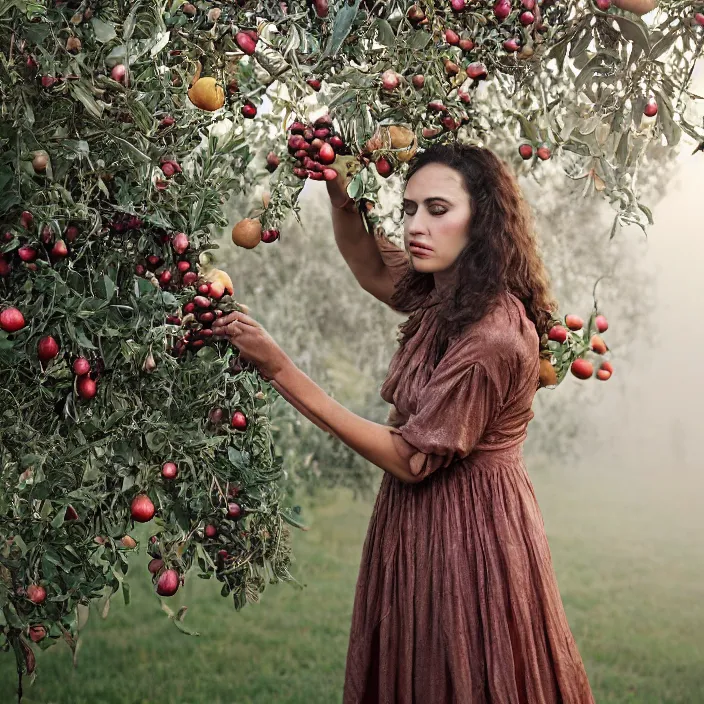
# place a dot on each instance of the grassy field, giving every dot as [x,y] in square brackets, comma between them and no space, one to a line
[631,576]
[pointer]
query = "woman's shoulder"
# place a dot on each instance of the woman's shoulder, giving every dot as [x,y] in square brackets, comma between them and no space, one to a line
[505,333]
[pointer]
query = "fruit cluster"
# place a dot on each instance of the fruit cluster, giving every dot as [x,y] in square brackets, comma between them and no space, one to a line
[314,148]
[34,244]
[576,342]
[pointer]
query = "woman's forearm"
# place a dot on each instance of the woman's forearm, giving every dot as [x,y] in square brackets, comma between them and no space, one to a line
[303,410]
[372,441]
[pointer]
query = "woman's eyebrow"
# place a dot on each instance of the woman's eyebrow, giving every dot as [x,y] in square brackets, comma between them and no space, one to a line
[427,200]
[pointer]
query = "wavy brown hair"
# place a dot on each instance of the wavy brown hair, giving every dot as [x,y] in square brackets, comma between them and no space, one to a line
[501,255]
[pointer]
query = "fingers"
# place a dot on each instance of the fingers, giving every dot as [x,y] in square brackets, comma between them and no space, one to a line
[234,317]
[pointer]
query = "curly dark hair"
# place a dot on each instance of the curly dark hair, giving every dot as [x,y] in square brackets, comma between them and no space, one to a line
[501,255]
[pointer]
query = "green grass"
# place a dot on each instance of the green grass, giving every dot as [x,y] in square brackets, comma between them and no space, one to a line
[630,569]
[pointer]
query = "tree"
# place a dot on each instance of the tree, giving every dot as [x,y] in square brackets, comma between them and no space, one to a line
[117,403]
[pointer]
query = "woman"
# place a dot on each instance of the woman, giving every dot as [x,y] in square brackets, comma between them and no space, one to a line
[456,601]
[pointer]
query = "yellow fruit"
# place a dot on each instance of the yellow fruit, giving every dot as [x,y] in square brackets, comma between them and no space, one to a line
[206,94]
[218,276]
[401,139]
[548,375]
[405,140]
[247,233]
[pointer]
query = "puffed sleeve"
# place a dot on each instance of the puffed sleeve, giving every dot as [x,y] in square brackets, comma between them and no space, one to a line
[454,410]
[394,257]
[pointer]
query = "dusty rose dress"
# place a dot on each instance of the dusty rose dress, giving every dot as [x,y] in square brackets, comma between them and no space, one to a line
[457,601]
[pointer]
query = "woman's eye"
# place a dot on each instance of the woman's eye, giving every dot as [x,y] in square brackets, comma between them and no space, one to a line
[436,210]
[408,210]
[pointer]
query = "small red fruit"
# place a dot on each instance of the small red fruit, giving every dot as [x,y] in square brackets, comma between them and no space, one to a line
[476,71]
[390,80]
[47,349]
[167,121]
[234,510]
[466,44]
[155,565]
[543,153]
[582,368]
[458,5]
[215,416]
[11,320]
[168,583]
[59,250]
[165,278]
[5,267]
[605,371]
[142,508]
[326,154]
[246,43]
[321,8]
[699,19]
[26,219]
[180,242]
[314,83]
[183,266]
[37,633]
[526,151]
[169,470]
[269,236]
[86,387]
[336,143]
[598,345]
[36,593]
[574,322]
[602,325]
[217,290]
[272,161]
[329,174]
[526,18]
[651,108]
[512,44]
[71,233]
[27,253]
[201,302]
[502,9]
[189,278]
[452,37]
[239,421]
[384,167]
[210,531]
[249,110]
[418,81]
[118,73]
[557,334]
[127,541]
[603,5]
[70,514]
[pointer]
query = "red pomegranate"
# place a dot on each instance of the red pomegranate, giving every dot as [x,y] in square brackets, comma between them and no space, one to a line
[582,368]
[249,110]
[155,565]
[602,325]
[234,510]
[27,253]
[36,593]
[476,71]
[142,508]
[526,151]
[544,153]
[574,322]
[384,167]
[168,583]
[651,108]
[211,531]
[47,348]
[246,43]
[11,320]
[558,334]
[169,470]
[502,9]
[86,387]
[239,421]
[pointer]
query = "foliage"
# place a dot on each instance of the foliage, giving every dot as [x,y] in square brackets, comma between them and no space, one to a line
[105,162]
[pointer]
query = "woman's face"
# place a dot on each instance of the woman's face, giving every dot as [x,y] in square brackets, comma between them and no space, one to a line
[436,215]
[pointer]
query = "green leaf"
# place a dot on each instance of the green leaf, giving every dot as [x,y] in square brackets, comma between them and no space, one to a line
[109,287]
[419,40]
[83,94]
[615,226]
[129,147]
[130,22]
[648,213]
[104,31]
[634,30]
[384,34]
[341,27]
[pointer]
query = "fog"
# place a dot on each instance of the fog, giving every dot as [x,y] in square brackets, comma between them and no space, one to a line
[637,477]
